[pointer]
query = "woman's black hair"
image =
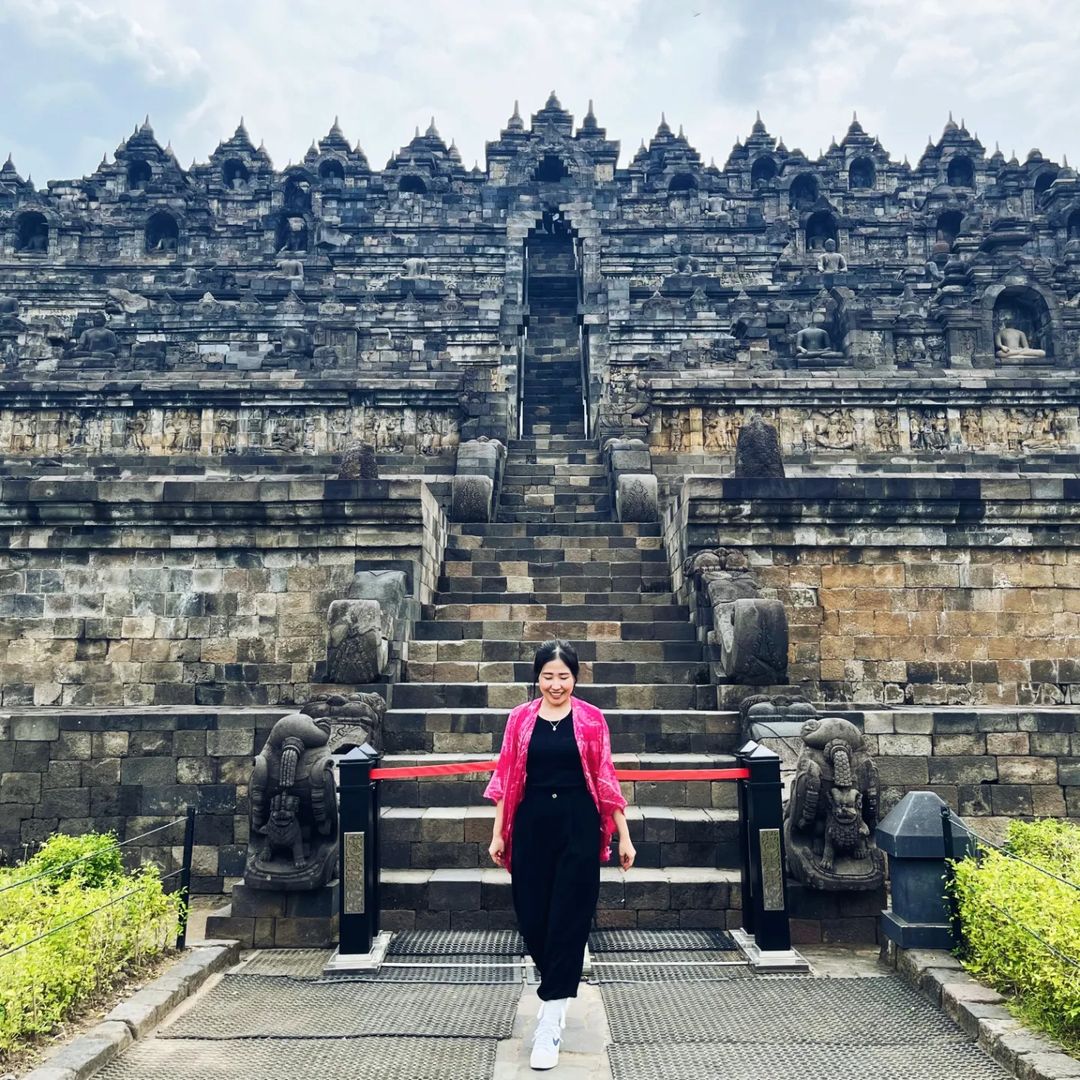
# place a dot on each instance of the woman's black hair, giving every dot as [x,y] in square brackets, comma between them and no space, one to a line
[555,650]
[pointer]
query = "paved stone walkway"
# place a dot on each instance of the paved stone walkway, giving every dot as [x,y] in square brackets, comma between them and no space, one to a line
[850,1019]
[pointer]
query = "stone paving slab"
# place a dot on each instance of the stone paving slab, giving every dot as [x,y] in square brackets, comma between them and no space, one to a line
[250,1007]
[369,1058]
[787,1061]
[835,1012]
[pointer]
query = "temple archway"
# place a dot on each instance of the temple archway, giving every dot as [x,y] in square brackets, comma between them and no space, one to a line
[1044,180]
[961,172]
[31,233]
[138,175]
[1025,309]
[411,184]
[947,228]
[297,196]
[291,235]
[763,171]
[861,174]
[162,233]
[803,192]
[551,170]
[682,182]
[332,173]
[235,175]
[820,226]
[1072,225]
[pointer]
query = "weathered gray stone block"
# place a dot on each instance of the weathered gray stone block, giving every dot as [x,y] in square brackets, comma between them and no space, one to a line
[92,1051]
[472,498]
[358,647]
[753,638]
[637,497]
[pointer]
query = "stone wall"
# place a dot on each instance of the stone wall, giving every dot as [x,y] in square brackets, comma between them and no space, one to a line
[988,764]
[193,591]
[133,771]
[920,590]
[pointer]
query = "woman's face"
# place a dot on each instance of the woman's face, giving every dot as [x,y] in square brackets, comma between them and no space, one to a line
[556,682]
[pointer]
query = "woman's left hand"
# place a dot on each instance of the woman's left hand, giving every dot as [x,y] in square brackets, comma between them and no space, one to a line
[627,853]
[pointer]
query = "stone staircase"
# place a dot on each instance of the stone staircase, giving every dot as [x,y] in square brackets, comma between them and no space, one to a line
[507,586]
[554,564]
[552,397]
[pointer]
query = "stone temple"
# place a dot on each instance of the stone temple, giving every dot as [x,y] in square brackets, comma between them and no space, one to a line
[195,541]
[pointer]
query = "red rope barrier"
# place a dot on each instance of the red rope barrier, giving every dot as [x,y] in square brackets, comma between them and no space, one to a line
[466,767]
[683,774]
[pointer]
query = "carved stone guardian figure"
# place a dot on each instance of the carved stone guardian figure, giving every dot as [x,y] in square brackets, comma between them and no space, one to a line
[833,810]
[293,844]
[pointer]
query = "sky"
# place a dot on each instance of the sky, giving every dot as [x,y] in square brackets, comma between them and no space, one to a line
[76,76]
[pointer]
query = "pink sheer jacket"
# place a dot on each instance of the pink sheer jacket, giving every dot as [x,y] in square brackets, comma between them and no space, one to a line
[594,744]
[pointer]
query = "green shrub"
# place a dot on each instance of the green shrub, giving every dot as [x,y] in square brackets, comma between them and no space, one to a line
[95,922]
[1006,906]
[93,857]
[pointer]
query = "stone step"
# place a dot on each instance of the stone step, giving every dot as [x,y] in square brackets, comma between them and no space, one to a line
[544,428]
[478,649]
[540,630]
[554,612]
[615,555]
[448,837]
[575,538]
[660,596]
[508,695]
[562,445]
[680,897]
[594,487]
[471,731]
[592,671]
[553,501]
[554,472]
[554,457]
[595,562]
[558,517]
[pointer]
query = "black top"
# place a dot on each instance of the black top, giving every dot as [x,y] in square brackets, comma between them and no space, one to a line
[553,759]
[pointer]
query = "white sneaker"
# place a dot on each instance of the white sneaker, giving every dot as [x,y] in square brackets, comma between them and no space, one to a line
[546,1041]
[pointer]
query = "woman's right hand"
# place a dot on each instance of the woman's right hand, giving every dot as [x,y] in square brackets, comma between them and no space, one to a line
[496,849]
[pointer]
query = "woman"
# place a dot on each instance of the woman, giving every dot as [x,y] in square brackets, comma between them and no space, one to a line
[556,802]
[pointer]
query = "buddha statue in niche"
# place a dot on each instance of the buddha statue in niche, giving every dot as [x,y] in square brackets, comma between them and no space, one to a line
[1011,343]
[97,339]
[830,261]
[813,342]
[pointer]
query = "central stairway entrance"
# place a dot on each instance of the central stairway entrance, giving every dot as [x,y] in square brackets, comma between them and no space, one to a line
[554,564]
[552,398]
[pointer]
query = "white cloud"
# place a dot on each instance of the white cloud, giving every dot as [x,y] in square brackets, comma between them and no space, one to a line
[290,66]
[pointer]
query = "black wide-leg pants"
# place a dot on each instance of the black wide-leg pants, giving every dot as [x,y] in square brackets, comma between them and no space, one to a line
[555,882]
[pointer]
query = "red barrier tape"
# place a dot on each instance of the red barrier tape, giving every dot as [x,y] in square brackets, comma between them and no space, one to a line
[465,767]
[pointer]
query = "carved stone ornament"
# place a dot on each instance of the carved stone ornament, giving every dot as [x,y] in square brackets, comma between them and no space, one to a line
[294,822]
[833,810]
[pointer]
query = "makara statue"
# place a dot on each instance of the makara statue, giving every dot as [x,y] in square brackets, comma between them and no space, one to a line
[833,810]
[294,820]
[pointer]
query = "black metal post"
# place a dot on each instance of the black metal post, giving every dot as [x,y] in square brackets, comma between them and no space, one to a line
[765,841]
[185,877]
[951,905]
[745,876]
[359,851]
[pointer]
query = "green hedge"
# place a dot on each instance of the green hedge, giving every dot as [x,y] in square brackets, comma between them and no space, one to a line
[42,984]
[1004,903]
